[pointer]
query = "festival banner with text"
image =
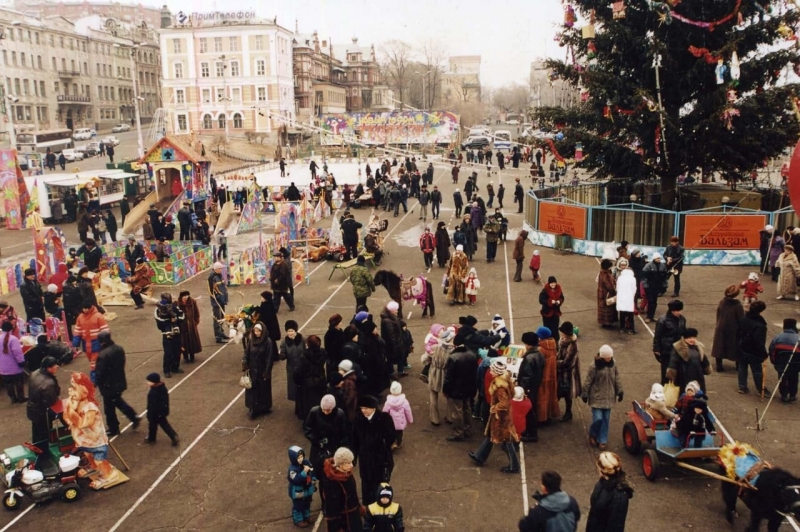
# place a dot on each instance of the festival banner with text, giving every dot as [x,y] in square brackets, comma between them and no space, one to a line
[393,127]
[721,231]
[561,219]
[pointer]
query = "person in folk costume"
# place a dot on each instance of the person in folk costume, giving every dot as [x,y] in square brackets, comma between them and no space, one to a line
[190,336]
[457,274]
[606,289]
[568,367]
[547,401]
[259,355]
[551,298]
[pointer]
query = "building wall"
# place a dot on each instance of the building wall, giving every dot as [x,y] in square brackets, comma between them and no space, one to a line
[133,13]
[462,81]
[238,73]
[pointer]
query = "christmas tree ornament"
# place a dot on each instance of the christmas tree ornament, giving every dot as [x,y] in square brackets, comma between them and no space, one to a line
[735,72]
[786,32]
[727,116]
[720,71]
[731,95]
[591,50]
[618,10]
[588,32]
[569,16]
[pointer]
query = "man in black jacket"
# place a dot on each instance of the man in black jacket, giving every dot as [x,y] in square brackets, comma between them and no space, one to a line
[43,392]
[471,337]
[109,374]
[31,292]
[350,229]
[531,371]
[133,251]
[184,221]
[91,255]
[168,317]
[373,436]
[280,278]
[556,509]
[436,201]
[460,385]
[669,329]
[327,428]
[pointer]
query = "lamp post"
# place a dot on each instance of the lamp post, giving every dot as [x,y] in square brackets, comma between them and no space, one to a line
[12,133]
[136,97]
[225,98]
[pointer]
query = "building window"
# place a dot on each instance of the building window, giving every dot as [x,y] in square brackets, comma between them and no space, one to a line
[39,61]
[259,42]
[14,58]
[22,58]
[61,42]
[178,70]
[25,87]
[236,94]
[234,42]
[52,40]
[204,70]
[71,44]
[72,62]
[104,69]
[176,46]
[16,86]
[234,69]
[220,68]
[207,122]
[221,121]
[182,123]
[261,67]
[111,91]
[5,57]
[42,92]
[99,92]
[85,68]
[105,92]
[220,94]
[55,87]
[180,96]
[237,121]
[217,44]
[206,95]
[203,48]
[262,94]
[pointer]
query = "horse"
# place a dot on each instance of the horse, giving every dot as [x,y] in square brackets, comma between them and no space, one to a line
[416,288]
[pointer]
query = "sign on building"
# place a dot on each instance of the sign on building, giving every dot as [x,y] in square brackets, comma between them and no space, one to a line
[722,231]
[561,219]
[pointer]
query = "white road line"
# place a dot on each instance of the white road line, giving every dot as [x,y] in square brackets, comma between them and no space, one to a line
[17,518]
[508,292]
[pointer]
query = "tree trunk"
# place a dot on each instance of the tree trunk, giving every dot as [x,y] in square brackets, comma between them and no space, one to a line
[668,191]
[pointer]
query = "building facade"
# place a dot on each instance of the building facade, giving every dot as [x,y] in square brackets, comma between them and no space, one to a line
[462,81]
[366,89]
[229,76]
[133,13]
[64,74]
[548,92]
[319,79]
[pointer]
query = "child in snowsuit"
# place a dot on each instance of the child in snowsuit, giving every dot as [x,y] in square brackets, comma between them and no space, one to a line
[472,285]
[697,420]
[301,486]
[536,265]
[752,287]
[158,410]
[656,404]
[397,406]
[384,515]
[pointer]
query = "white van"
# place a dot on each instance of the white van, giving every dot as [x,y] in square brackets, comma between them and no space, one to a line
[82,134]
[502,139]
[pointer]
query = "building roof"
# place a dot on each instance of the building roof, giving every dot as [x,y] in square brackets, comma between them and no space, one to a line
[340,51]
[182,143]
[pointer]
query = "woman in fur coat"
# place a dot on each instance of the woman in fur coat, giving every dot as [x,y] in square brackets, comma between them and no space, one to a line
[190,337]
[500,428]
[568,367]
[689,361]
[790,270]
[729,312]
[606,288]
[547,399]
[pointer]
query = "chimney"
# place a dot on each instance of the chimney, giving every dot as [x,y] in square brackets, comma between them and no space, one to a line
[324,43]
[166,17]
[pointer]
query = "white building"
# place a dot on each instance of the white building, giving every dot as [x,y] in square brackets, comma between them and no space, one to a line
[227,76]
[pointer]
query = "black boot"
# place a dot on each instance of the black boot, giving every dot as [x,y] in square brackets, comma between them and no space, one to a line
[720,368]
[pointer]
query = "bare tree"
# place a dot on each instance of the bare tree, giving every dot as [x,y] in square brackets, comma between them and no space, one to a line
[396,65]
[434,55]
[471,113]
[512,97]
[218,145]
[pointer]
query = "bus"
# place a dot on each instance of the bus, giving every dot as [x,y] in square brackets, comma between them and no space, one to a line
[39,141]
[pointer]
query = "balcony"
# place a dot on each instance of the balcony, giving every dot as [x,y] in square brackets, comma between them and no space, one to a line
[69,73]
[73,98]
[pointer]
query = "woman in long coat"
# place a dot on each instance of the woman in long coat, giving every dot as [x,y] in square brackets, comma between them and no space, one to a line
[442,244]
[568,367]
[500,429]
[626,298]
[310,377]
[258,358]
[606,288]
[190,337]
[551,298]
[457,276]
[291,351]
[790,270]
[729,312]
[547,403]
[775,253]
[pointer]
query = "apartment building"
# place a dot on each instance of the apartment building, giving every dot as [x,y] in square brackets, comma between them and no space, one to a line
[462,81]
[227,76]
[133,13]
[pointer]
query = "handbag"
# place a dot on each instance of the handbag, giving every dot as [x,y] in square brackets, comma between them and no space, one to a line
[671,393]
[245,381]
[611,300]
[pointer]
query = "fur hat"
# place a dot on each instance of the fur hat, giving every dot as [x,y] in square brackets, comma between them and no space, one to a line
[690,333]
[535,252]
[343,456]
[605,351]
[328,402]
[732,291]
[519,393]
[290,324]
[530,338]
[544,333]
[459,248]
[551,279]
[657,393]
[346,365]
[498,367]
[609,464]
[396,388]
[753,276]
[567,328]
[392,306]
[367,401]
[335,320]
[675,304]
[468,320]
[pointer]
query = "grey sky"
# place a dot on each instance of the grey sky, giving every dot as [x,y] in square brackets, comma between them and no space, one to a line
[508,34]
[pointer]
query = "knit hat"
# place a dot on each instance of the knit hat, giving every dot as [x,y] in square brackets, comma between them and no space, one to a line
[217,265]
[732,291]
[362,316]
[52,288]
[335,320]
[459,247]
[657,392]
[567,328]
[258,326]
[342,456]
[753,276]
[690,333]
[154,377]
[609,464]
[535,252]
[392,306]
[132,237]
[605,351]
[346,365]
[693,386]
[328,402]
[498,367]
[385,490]
[519,393]
[367,401]
[657,256]
[551,279]
[769,228]
[544,333]
[530,338]
[290,324]
[396,388]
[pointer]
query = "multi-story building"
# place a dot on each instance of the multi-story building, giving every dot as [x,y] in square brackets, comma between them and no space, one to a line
[227,76]
[131,13]
[462,81]
[547,92]
[75,74]
[319,79]
[366,89]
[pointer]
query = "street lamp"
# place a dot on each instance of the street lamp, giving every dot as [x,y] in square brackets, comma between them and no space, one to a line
[424,92]
[225,98]
[136,97]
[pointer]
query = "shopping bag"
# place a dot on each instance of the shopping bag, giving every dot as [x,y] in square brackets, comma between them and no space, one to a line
[671,393]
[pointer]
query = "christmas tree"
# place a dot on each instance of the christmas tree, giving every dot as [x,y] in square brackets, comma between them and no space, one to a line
[725,103]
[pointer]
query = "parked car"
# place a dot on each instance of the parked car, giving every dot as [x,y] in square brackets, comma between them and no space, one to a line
[512,122]
[478,142]
[72,155]
[88,150]
[110,140]
[119,128]
[82,134]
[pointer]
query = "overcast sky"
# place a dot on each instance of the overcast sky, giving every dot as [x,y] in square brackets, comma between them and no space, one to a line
[507,34]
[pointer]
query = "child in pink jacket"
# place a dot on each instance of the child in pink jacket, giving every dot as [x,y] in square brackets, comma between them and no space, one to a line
[752,287]
[397,406]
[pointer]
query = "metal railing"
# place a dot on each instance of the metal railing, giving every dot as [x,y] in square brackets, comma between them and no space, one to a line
[74,98]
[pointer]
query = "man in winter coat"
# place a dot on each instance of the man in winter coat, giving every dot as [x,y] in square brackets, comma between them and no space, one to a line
[470,337]
[184,221]
[424,199]
[519,195]
[392,334]
[436,201]
[655,277]
[556,512]
[429,174]
[501,191]
[363,284]
[492,230]
[786,360]
[168,317]
[32,296]
[531,371]
[373,436]
[133,251]
[458,202]
[91,254]
[673,254]
[519,254]
[109,375]
[88,326]
[350,229]
[669,329]
[43,392]
[459,387]
[280,278]
[427,243]
[218,295]
[326,427]
[751,342]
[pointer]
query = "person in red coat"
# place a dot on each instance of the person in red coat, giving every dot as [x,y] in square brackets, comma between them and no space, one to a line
[521,407]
